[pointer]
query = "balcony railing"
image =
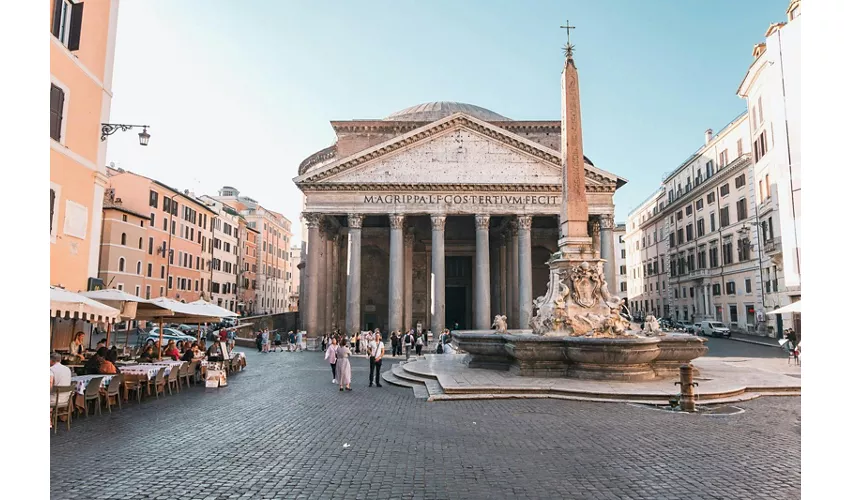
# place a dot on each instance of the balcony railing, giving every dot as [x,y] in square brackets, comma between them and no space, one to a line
[773,245]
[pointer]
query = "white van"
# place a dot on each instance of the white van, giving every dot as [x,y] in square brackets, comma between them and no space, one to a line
[714,329]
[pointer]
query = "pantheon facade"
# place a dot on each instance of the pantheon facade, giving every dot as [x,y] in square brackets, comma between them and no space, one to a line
[441,214]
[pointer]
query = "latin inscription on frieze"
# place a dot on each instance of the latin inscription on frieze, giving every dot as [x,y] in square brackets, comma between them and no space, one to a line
[461,199]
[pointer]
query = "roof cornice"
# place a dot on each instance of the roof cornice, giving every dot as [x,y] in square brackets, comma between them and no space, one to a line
[429,187]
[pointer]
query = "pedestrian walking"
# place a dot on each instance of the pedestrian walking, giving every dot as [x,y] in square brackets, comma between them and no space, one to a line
[291,346]
[408,344]
[330,357]
[324,342]
[277,342]
[376,359]
[343,366]
[299,339]
[231,339]
[266,340]
[419,344]
[259,341]
[394,342]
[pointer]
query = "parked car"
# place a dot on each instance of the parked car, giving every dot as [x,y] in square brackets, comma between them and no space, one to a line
[714,329]
[168,334]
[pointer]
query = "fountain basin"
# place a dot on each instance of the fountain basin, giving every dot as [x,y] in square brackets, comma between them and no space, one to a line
[624,359]
[536,355]
[485,347]
[677,350]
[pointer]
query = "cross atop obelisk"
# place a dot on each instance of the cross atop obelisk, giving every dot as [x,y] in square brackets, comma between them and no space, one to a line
[574,237]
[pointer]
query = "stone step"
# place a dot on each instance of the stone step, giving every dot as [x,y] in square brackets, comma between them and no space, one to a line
[434,388]
[420,392]
[399,371]
[392,379]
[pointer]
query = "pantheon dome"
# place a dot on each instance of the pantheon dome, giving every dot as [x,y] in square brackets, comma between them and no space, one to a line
[433,111]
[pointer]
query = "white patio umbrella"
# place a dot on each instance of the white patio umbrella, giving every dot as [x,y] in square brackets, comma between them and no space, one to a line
[214,309]
[131,306]
[70,305]
[184,313]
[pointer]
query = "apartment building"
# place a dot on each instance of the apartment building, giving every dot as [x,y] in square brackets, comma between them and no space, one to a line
[771,88]
[273,246]
[124,262]
[82,52]
[620,288]
[247,290]
[294,284]
[224,267]
[178,236]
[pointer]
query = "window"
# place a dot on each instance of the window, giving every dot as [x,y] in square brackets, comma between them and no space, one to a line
[148,292]
[724,216]
[150,270]
[679,215]
[154,201]
[67,23]
[760,145]
[710,198]
[623,287]
[623,270]
[57,105]
[699,204]
[162,291]
[730,288]
[700,228]
[165,224]
[741,181]
[166,204]
[715,289]
[150,246]
[139,268]
[709,169]
[711,220]
[121,286]
[689,210]
[761,112]
[121,265]
[733,313]
[742,209]
[721,162]
[743,250]
[724,189]
[162,272]
[124,238]
[761,192]
[690,232]
[712,257]
[680,235]
[141,243]
[740,148]
[53,207]
[701,258]
[727,252]
[748,285]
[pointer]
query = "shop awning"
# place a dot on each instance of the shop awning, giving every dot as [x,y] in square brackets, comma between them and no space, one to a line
[70,305]
[184,313]
[793,307]
[131,306]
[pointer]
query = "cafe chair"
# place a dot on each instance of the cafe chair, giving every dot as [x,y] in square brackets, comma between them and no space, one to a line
[92,393]
[173,380]
[134,383]
[158,383]
[187,371]
[61,402]
[113,390]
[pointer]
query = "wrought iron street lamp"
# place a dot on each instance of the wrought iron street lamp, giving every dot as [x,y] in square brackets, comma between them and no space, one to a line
[107,129]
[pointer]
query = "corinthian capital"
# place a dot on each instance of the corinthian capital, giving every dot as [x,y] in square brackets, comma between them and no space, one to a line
[482,221]
[438,222]
[524,222]
[355,221]
[606,221]
[313,220]
[396,221]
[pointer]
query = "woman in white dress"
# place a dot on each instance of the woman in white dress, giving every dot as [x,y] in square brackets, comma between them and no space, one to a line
[343,365]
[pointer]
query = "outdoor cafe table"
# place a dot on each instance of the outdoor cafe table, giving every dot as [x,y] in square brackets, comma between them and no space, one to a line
[80,382]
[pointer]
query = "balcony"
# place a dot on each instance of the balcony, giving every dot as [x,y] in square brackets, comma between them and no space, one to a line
[773,246]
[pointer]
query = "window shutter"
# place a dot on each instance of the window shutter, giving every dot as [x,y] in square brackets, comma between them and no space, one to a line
[76,26]
[57,17]
[57,102]
[52,208]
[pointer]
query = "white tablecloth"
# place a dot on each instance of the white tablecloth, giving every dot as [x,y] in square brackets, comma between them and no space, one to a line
[157,366]
[148,371]
[80,382]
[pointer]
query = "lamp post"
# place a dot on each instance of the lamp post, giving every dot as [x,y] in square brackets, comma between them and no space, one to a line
[107,129]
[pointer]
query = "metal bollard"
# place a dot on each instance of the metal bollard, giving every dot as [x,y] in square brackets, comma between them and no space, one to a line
[686,381]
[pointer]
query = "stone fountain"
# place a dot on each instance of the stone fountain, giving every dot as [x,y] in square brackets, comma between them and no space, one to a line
[577,329]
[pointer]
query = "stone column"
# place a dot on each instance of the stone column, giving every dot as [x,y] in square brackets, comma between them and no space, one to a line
[482,272]
[313,244]
[503,276]
[407,322]
[396,294]
[606,250]
[593,229]
[322,280]
[329,278]
[352,312]
[524,223]
[438,274]
[513,280]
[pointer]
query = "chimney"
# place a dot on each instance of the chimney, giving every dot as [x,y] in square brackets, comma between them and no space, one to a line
[709,134]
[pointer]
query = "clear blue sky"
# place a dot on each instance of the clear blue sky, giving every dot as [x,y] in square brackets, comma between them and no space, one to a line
[238,93]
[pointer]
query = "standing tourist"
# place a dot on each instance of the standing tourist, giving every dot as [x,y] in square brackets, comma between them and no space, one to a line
[299,338]
[375,360]
[419,344]
[277,341]
[408,344]
[291,346]
[324,342]
[231,339]
[357,342]
[394,342]
[259,341]
[343,366]
[330,357]
[265,340]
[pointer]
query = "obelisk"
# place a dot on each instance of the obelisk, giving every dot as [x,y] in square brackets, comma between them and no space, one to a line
[574,237]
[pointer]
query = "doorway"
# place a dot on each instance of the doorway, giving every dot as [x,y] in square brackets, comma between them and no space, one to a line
[456,307]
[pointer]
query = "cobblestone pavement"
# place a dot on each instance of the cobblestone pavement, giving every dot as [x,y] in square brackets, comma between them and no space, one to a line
[282,430]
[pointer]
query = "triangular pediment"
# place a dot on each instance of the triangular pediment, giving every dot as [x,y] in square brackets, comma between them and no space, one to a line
[458,149]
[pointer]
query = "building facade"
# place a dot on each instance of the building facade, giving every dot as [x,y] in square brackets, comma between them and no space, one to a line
[179,235]
[771,88]
[224,267]
[294,283]
[124,262]
[248,237]
[694,247]
[274,237]
[433,214]
[82,51]
[620,266]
